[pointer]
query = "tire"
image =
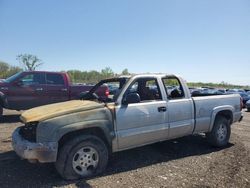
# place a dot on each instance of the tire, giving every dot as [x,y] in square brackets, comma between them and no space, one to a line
[82,157]
[220,134]
[248,109]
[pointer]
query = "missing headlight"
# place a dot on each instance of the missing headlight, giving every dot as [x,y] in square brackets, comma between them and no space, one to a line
[28,131]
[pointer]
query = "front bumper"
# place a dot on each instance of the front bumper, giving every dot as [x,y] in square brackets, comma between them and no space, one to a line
[42,152]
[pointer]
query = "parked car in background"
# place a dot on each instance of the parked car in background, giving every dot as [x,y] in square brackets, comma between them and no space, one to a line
[245,97]
[223,91]
[248,105]
[29,89]
[236,91]
[205,91]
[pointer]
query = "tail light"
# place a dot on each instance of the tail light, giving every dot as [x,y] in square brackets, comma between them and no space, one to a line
[107,92]
[241,103]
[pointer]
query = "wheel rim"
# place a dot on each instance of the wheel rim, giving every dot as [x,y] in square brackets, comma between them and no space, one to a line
[222,132]
[85,161]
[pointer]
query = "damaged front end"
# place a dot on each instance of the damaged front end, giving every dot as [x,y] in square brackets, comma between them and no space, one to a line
[26,146]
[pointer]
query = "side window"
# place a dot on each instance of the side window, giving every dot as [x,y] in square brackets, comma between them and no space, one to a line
[33,79]
[173,88]
[54,79]
[147,88]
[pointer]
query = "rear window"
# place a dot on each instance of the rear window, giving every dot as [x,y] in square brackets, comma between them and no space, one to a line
[173,88]
[54,79]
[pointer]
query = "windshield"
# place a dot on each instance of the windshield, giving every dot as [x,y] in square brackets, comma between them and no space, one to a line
[12,78]
[106,90]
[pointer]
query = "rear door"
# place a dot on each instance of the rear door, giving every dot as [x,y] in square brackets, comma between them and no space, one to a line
[28,91]
[180,108]
[143,122]
[57,88]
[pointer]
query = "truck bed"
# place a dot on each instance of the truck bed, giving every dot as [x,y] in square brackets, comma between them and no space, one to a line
[206,105]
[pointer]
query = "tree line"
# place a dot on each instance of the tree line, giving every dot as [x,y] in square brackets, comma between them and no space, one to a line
[93,76]
[7,70]
[32,62]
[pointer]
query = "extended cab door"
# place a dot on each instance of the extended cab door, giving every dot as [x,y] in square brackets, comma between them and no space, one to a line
[180,108]
[27,91]
[141,120]
[57,88]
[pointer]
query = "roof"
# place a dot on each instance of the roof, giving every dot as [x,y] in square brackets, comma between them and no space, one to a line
[142,75]
[45,72]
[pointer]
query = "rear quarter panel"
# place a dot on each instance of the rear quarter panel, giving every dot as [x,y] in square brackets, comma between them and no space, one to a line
[208,107]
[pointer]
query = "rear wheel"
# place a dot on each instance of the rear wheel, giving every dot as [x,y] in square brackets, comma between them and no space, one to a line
[82,157]
[220,134]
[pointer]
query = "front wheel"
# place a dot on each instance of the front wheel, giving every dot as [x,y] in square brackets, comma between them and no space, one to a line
[82,157]
[220,134]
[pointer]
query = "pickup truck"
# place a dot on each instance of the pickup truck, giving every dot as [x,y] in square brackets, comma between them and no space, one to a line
[79,135]
[29,89]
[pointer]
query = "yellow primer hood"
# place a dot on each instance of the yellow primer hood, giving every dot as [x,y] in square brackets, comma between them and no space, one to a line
[58,109]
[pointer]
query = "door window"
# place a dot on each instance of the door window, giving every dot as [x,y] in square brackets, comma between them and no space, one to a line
[33,79]
[54,79]
[147,88]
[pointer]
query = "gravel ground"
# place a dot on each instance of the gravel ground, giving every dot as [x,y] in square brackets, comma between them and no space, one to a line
[185,162]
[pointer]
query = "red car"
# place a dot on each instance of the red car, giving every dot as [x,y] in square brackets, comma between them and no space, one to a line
[29,89]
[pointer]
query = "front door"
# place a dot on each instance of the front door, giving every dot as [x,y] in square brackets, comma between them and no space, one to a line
[145,121]
[28,91]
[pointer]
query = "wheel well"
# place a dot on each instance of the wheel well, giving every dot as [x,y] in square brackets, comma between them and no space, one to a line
[98,132]
[227,114]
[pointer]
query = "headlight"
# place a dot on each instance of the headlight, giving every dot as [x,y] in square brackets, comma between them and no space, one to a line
[28,131]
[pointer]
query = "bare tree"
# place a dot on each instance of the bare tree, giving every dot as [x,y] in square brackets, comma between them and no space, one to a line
[30,62]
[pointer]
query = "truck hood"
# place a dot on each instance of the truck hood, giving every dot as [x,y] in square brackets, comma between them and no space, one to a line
[58,109]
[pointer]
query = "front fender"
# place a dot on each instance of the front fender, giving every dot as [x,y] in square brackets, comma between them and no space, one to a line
[104,125]
[52,130]
[217,110]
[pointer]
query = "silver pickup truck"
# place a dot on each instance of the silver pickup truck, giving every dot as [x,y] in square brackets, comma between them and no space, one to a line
[79,135]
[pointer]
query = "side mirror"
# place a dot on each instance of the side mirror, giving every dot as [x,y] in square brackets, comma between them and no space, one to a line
[131,98]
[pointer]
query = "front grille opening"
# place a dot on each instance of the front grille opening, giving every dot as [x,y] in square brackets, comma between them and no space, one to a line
[28,132]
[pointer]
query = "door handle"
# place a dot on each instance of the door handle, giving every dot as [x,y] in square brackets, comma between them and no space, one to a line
[162,109]
[39,89]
